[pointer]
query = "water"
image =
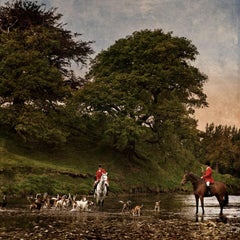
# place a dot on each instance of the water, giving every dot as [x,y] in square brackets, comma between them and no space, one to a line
[211,207]
[173,206]
[182,206]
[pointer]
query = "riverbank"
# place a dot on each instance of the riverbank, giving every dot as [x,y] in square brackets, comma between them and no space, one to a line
[104,226]
[26,171]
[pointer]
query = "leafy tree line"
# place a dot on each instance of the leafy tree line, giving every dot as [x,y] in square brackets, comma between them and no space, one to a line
[221,146]
[141,90]
[142,87]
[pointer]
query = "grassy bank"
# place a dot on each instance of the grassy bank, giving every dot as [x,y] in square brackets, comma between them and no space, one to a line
[71,169]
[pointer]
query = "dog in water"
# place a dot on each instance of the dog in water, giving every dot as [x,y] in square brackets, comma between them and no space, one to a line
[136,211]
[157,206]
[127,206]
[82,205]
[3,204]
[35,203]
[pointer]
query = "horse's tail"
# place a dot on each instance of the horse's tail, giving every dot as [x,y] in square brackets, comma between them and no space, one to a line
[226,199]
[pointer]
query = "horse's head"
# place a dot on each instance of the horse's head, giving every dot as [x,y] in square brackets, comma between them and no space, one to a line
[189,176]
[104,177]
[186,178]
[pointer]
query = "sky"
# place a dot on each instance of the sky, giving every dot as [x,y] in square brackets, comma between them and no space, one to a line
[213,26]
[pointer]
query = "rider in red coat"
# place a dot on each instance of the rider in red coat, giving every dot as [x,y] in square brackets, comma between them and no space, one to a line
[207,177]
[99,173]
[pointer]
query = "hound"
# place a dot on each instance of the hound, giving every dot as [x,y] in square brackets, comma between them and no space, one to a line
[35,203]
[127,206]
[82,205]
[68,201]
[51,201]
[60,204]
[157,206]
[136,211]
[3,204]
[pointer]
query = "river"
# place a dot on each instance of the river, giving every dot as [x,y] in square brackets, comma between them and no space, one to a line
[17,221]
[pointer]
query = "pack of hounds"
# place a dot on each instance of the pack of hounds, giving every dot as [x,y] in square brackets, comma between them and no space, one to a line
[59,202]
[71,202]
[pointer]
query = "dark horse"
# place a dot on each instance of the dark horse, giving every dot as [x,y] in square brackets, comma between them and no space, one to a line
[218,189]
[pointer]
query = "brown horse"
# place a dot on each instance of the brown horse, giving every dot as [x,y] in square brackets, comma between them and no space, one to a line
[218,189]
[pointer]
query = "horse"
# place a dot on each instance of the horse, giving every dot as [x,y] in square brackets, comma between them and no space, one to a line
[101,191]
[218,189]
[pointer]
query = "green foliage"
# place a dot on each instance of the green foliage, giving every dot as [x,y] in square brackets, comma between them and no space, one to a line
[36,54]
[221,146]
[145,81]
[138,98]
[34,184]
[26,171]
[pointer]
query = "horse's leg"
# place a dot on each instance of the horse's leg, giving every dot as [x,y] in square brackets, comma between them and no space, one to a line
[221,203]
[102,204]
[197,199]
[202,204]
[98,204]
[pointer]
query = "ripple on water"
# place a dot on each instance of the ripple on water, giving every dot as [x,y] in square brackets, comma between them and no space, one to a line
[172,206]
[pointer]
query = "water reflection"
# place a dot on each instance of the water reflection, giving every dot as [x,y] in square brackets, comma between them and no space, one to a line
[172,206]
[212,208]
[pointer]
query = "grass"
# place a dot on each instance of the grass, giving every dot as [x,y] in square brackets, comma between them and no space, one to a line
[25,171]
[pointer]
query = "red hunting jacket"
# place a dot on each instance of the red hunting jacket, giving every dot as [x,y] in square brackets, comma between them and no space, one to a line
[99,173]
[208,175]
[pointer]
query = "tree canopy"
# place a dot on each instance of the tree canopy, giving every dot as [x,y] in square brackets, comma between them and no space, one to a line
[146,79]
[221,146]
[36,54]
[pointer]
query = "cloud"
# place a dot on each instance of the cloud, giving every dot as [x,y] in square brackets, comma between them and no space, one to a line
[210,25]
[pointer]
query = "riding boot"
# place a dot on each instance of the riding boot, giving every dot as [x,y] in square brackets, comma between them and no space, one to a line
[107,190]
[208,191]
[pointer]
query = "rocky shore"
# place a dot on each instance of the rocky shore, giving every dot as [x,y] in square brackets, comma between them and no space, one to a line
[120,227]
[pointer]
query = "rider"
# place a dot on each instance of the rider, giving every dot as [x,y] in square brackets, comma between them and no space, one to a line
[207,177]
[99,173]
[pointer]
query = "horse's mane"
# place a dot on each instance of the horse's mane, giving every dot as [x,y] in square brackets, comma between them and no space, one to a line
[195,177]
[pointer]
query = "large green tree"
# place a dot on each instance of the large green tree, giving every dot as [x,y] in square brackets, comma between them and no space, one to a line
[36,54]
[146,79]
